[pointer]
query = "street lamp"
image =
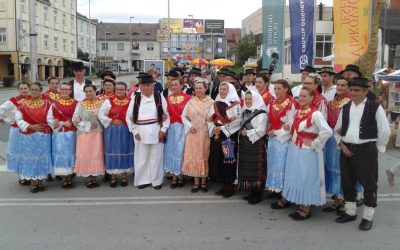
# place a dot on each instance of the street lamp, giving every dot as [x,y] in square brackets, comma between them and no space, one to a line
[105,45]
[130,42]
[191,33]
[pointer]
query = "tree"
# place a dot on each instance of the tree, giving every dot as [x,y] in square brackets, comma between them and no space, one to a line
[246,48]
[83,55]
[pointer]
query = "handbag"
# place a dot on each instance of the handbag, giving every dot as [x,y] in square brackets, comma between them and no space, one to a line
[228,147]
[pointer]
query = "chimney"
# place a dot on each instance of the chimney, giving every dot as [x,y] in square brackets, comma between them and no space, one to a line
[321,10]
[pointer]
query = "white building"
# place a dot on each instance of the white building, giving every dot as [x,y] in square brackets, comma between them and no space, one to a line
[86,35]
[126,45]
[323,37]
[56,37]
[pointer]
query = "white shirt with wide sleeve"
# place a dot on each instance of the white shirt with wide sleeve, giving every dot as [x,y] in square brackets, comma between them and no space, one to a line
[103,113]
[8,111]
[234,114]
[259,124]
[353,132]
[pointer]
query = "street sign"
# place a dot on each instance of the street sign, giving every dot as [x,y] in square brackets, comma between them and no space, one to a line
[161,35]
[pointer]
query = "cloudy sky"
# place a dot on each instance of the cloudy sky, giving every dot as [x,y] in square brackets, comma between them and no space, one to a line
[232,11]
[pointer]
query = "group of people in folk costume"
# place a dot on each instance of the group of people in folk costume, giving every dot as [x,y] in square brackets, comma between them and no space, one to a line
[320,137]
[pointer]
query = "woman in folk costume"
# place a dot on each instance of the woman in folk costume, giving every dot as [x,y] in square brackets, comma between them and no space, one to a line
[63,144]
[109,89]
[89,143]
[7,114]
[332,152]
[35,139]
[53,93]
[197,145]
[175,143]
[118,145]
[280,112]
[313,82]
[262,86]
[251,151]
[304,171]
[223,125]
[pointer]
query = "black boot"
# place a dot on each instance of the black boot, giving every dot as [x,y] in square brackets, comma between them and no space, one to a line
[229,191]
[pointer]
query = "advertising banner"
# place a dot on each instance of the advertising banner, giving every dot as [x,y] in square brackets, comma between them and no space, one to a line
[351,22]
[193,25]
[301,34]
[155,67]
[273,32]
[214,26]
[174,25]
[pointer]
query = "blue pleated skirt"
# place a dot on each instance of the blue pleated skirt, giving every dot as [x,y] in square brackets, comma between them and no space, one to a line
[302,180]
[118,149]
[276,161]
[173,149]
[332,168]
[13,150]
[35,156]
[63,152]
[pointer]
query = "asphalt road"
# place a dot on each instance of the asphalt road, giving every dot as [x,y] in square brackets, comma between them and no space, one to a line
[128,218]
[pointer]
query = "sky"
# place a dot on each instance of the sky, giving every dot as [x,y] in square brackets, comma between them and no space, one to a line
[150,11]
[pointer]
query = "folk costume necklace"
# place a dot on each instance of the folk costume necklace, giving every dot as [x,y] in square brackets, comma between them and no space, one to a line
[91,104]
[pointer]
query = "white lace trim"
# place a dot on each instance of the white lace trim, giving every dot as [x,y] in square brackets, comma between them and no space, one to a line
[41,177]
[119,171]
[63,171]
[87,175]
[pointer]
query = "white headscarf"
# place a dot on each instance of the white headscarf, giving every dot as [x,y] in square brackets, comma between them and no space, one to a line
[257,102]
[232,95]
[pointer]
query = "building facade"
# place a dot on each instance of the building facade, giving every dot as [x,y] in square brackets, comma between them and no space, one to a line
[87,30]
[125,46]
[323,37]
[233,36]
[56,37]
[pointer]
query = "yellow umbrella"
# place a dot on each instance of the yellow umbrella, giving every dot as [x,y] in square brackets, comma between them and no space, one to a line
[199,61]
[222,62]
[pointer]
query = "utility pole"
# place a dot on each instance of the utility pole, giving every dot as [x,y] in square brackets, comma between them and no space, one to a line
[169,33]
[130,42]
[90,44]
[32,41]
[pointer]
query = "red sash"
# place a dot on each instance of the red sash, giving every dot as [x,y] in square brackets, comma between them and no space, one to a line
[334,108]
[318,99]
[64,112]
[303,115]
[218,117]
[36,116]
[267,97]
[17,101]
[176,104]
[277,111]
[119,107]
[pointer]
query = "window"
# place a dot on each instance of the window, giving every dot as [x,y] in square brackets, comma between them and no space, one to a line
[73,4]
[104,46]
[22,4]
[55,43]
[46,41]
[323,45]
[135,46]
[288,52]
[46,13]
[65,45]
[120,46]
[55,16]
[72,22]
[2,5]
[150,46]
[3,35]
[64,22]
[72,47]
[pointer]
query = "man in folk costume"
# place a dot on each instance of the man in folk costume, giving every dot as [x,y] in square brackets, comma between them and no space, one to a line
[361,131]
[145,120]
[79,81]
[221,74]
[328,87]
[249,78]
[304,73]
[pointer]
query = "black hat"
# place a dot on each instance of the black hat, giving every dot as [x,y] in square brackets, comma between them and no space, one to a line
[309,69]
[179,71]
[231,73]
[173,73]
[108,73]
[263,72]
[328,70]
[223,71]
[195,71]
[249,71]
[360,82]
[77,66]
[353,68]
[145,78]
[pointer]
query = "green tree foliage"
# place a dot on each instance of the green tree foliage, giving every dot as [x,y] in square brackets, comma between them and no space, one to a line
[83,55]
[246,48]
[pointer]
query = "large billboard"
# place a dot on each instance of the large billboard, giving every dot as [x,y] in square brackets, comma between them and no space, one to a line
[351,22]
[174,25]
[193,26]
[214,26]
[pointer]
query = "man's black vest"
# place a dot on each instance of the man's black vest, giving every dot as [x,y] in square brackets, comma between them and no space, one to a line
[157,100]
[368,125]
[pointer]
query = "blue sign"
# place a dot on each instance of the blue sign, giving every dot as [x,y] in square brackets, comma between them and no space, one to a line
[301,33]
[273,14]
